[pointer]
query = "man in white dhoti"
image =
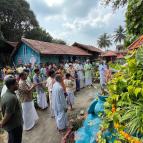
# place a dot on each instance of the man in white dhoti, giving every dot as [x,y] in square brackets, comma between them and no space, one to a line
[59,104]
[49,84]
[41,95]
[30,116]
[76,67]
[88,73]
[43,72]
[81,75]
[102,69]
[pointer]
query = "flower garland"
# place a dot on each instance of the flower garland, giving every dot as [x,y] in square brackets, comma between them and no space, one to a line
[128,137]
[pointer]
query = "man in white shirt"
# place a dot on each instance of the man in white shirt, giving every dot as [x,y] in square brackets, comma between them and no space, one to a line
[4,88]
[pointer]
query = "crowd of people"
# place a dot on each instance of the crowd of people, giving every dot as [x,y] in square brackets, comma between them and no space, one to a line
[62,82]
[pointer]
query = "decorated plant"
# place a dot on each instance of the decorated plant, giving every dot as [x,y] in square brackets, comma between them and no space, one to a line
[124,106]
[115,66]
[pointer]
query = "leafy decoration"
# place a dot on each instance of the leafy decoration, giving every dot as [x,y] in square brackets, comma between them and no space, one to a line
[124,106]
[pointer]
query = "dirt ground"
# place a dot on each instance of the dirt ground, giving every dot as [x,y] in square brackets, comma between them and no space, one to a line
[45,131]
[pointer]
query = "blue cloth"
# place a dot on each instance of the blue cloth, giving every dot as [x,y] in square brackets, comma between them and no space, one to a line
[90,117]
[90,110]
[81,136]
[91,125]
[99,107]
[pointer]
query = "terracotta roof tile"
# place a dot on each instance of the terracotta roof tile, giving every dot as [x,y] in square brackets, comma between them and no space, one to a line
[120,56]
[109,54]
[88,47]
[136,44]
[54,49]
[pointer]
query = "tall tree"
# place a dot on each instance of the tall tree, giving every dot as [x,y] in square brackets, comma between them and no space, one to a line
[104,41]
[16,18]
[115,3]
[39,34]
[134,20]
[119,35]
[59,41]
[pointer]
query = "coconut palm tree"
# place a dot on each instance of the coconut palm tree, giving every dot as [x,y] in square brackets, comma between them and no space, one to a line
[119,35]
[104,41]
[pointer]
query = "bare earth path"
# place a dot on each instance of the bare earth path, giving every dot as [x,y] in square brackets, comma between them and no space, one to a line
[45,131]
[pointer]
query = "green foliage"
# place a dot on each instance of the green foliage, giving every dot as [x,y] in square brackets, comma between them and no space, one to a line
[126,96]
[139,57]
[133,118]
[134,18]
[119,34]
[38,34]
[104,41]
[16,18]
[115,66]
[59,41]
[115,3]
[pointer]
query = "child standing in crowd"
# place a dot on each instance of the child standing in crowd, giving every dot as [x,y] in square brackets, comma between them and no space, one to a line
[41,95]
[43,71]
[69,83]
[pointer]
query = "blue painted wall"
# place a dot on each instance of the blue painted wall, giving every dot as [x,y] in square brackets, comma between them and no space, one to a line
[24,54]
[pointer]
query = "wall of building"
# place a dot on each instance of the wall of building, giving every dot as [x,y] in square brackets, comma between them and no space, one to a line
[49,59]
[55,58]
[25,55]
[60,58]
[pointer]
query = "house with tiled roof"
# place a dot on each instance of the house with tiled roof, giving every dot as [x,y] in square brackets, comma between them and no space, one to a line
[34,51]
[109,55]
[95,52]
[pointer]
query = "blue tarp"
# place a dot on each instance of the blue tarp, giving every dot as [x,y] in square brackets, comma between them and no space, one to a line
[91,125]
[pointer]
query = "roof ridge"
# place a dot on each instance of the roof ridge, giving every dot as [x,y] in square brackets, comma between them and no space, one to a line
[53,48]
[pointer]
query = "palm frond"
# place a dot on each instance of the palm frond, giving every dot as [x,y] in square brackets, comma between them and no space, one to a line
[133,118]
[104,41]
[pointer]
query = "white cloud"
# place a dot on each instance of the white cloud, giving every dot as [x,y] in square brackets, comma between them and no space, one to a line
[76,20]
[56,17]
[97,18]
[54,2]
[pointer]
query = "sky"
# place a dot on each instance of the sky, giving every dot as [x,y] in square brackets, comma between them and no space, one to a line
[80,21]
